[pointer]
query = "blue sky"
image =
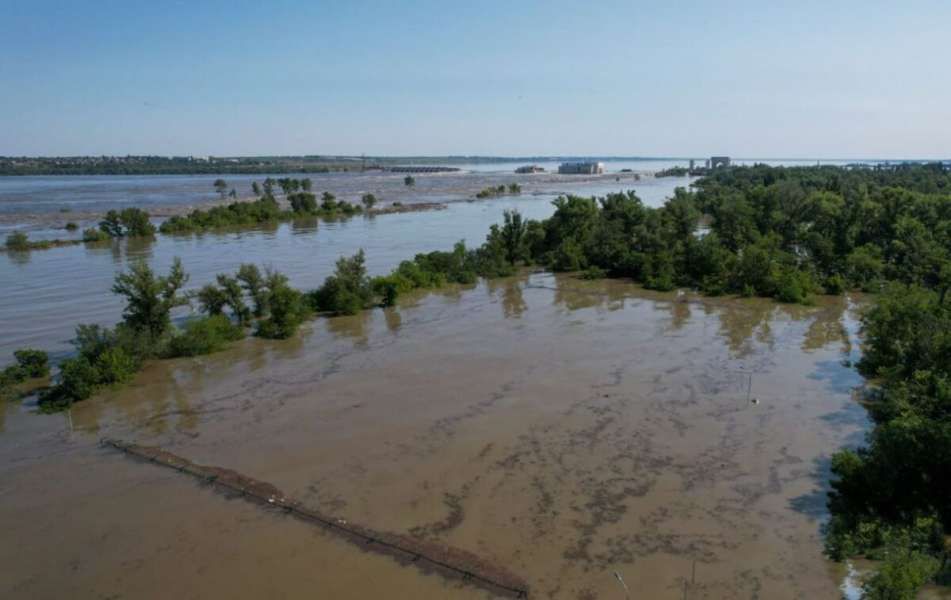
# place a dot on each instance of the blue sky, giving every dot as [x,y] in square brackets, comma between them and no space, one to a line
[842,79]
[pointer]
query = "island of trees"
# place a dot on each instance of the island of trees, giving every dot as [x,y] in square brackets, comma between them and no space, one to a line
[785,233]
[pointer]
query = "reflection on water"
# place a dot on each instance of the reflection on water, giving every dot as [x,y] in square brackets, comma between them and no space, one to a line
[351,327]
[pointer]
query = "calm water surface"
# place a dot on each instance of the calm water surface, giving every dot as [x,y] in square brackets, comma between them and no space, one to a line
[50,291]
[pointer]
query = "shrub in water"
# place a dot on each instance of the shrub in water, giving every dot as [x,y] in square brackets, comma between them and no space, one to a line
[204,336]
[93,235]
[18,241]
[288,309]
[35,363]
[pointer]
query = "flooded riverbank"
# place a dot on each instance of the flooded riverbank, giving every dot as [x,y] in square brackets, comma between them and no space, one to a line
[565,429]
[58,288]
[43,203]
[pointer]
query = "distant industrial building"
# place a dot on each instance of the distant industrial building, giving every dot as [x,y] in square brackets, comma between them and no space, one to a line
[581,168]
[715,162]
[530,169]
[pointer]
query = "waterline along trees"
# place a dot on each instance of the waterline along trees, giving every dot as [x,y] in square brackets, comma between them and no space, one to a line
[130,222]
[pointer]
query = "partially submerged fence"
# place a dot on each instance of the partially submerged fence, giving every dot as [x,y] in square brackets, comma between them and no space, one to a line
[452,563]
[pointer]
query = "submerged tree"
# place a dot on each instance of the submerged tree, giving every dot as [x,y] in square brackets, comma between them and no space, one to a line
[150,299]
[221,186]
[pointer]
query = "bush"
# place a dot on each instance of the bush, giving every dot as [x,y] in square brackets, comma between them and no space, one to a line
[115,365]
[345,292]
[34,363]
[835,285]
[592,273]
[78,380]
[71,226]
[204,336]
[288,309]
[794,286]
[131,222]
[409,180]
[105,357]
[12,375]
[92,235]
[369,201]
[18,241]
[303,203]
[901,576]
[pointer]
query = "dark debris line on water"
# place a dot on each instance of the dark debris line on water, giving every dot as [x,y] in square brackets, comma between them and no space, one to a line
[450,562]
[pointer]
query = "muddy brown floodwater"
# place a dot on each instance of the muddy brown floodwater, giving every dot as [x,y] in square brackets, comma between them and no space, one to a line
[564,429]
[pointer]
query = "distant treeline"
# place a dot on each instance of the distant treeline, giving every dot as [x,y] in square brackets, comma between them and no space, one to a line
[162,165]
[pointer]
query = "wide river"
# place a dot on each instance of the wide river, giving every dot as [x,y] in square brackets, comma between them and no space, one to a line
[570,431]
[48,292]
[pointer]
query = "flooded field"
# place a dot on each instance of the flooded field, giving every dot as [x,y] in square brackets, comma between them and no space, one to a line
[565,429]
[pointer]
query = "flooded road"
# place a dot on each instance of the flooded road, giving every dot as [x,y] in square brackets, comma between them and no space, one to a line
[565,429]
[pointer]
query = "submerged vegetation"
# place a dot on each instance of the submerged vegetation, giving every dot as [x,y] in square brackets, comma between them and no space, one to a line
[266,209]
[500,190]
[30,365]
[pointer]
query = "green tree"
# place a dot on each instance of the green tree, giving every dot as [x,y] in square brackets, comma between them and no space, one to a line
[150,299]
[250,277]
[513,235]
[347,291]
[221,186]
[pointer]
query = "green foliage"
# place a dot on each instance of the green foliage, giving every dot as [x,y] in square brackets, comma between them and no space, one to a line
[794,286]
[890,497]
[18,241]
[901,576]
[592,273]
[303,203]
[347,291]
[233,297]
[499,190]
[409,180]
[150,299]
[236,214]
[288,309]
[93,235]
[212,299]
[34,363]
[368,200]
[30,364]
[204,336]
[71,226]
[105,357]
[513,236]
[221,186]
[253,283]
[130,222]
